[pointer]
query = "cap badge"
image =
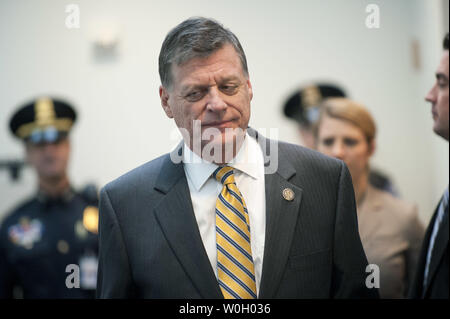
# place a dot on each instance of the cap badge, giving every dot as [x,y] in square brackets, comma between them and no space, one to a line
[311,96]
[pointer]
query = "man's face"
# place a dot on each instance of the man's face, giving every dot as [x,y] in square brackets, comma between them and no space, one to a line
[214,91]
[49,159]
[438,97]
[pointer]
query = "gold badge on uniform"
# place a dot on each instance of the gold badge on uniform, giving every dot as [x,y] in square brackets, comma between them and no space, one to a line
[90,219]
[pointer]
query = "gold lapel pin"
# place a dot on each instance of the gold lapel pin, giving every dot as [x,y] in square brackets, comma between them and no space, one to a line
[288,194]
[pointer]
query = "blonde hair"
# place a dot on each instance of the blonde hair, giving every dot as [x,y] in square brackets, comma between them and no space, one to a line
[350,111]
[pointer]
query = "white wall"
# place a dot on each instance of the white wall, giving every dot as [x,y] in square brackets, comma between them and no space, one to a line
[287,42]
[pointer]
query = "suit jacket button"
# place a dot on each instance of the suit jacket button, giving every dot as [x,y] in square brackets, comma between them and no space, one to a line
[288,194]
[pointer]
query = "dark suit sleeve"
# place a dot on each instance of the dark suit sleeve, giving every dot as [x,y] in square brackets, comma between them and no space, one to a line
[114,276]
[349,259]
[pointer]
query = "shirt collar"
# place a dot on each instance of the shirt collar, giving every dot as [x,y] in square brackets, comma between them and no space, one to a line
[247,161]
[66,196]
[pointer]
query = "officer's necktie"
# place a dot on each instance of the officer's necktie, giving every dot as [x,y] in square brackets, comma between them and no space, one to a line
[235,270]
[443,209]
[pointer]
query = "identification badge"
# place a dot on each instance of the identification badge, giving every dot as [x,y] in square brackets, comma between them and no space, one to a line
[88,272]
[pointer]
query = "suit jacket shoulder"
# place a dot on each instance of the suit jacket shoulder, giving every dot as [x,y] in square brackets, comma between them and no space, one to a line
[24,206]
[146,173]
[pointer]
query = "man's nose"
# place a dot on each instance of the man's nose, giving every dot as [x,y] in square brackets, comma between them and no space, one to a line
[431,96]
[215,103]
[49,148]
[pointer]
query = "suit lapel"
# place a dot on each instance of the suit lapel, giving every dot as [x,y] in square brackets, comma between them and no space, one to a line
[281,220]
[417,290]
[280,227]
[177,220]
[440,245]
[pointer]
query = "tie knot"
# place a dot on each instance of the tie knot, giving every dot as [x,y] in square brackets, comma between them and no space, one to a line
[224,174]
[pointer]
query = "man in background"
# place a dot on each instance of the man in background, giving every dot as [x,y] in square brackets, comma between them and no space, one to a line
[55,228]
[431,279]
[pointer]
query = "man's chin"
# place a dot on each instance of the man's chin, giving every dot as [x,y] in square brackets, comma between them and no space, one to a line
[222,148]
[52,175]
[441,132]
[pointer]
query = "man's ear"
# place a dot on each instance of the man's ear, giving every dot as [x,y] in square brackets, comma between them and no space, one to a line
[250,89]
[164,95]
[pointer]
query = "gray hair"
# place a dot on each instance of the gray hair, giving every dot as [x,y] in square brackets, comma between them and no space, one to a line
[193,38]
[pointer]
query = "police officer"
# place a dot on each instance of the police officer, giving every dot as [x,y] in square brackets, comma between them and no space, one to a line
[303,106]
[48,244]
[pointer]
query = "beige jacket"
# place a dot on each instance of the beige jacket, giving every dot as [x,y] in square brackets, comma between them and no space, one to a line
[391,234]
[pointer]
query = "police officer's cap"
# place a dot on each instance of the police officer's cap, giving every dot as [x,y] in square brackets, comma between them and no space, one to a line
[43,120]
[303,105]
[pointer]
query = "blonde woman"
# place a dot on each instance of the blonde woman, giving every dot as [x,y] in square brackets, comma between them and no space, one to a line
[390,230]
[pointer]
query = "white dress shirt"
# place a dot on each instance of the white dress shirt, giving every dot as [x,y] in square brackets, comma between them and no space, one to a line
[204,188]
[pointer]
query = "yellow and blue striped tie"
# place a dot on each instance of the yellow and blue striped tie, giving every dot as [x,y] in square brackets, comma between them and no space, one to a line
[235,269]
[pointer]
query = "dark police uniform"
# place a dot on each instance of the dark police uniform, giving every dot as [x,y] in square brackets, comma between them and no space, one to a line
[49,246]
[41,238]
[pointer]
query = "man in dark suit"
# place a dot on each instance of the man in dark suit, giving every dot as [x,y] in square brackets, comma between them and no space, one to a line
[228,213]
[431,279]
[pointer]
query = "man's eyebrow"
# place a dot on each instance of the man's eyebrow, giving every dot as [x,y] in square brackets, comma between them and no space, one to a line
[229,78]
[189,87]
[192,86]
